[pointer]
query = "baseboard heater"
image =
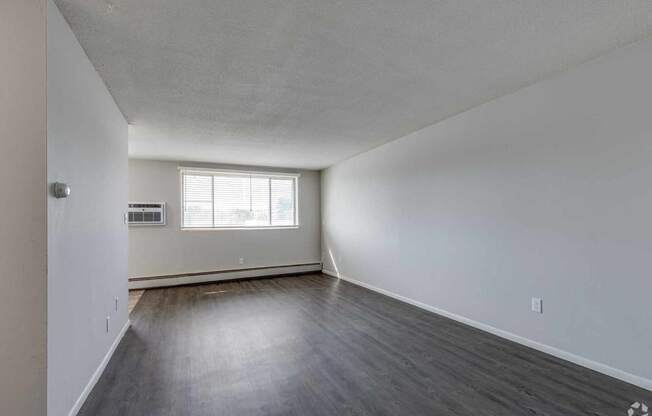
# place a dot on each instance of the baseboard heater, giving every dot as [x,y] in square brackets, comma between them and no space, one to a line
[145,282]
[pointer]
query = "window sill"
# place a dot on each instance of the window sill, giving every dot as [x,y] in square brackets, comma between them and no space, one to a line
[289,227]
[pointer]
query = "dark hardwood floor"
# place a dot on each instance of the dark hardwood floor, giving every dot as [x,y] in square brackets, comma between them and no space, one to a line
[314,345]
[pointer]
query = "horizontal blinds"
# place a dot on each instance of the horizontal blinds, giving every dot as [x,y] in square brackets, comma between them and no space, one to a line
[282,201]
[214,200]
[197,201]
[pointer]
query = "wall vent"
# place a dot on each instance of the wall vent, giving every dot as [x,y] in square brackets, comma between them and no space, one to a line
[146,213]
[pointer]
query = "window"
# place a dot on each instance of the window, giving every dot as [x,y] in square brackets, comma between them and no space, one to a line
[225,199]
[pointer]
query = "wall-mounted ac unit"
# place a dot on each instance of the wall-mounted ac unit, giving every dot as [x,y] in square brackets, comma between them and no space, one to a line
[146,213]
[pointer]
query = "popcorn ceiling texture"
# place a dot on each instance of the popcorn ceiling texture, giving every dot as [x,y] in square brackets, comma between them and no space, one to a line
[307,83]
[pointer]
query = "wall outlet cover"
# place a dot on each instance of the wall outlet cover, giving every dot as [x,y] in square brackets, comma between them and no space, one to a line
[537,305]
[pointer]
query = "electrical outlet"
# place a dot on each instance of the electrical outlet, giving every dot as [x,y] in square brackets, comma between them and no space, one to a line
[117,302]
[240,260]
[537,305]
[108,323]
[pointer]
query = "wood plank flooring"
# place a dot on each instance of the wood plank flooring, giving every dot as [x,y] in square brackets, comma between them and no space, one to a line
[134,297]
[314,345]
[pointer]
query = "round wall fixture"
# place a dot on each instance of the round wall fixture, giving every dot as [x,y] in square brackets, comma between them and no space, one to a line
[61,190]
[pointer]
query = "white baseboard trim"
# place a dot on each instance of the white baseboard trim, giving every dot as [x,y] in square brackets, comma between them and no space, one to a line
[98,372]
[564,355]
[224,275]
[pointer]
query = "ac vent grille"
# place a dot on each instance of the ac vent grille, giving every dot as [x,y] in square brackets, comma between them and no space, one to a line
[146,213]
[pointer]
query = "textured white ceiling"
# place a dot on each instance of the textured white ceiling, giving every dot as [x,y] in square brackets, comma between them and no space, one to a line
[307,83]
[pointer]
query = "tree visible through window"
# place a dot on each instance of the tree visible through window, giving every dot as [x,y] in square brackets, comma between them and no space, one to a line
[238,200]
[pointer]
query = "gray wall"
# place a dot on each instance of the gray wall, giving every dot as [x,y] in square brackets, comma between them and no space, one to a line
[87,237]
[546,192]
[168,250]
[23,223]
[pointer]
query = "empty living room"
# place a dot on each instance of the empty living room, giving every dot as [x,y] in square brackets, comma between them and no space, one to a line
[326,208]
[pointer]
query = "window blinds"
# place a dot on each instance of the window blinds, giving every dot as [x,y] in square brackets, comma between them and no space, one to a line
[238,200]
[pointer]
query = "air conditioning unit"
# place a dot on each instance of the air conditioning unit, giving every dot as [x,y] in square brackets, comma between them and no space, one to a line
[146,213]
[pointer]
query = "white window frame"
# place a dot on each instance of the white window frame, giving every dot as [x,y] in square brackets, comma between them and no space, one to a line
[212,172]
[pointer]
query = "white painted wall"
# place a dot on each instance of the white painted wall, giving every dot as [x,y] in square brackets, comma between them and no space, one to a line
[155,251]
[23,223]
[87,237]
[546,192]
